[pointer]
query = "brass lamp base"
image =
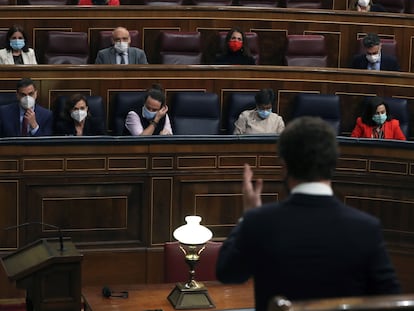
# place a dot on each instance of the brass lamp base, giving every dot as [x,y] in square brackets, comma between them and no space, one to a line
[183,297]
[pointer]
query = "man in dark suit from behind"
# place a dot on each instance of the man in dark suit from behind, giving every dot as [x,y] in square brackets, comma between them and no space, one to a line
[309,245]
[373,58]
[26,117]
[121,52]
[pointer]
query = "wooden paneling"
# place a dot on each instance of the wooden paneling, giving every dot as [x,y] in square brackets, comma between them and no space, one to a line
[119,219]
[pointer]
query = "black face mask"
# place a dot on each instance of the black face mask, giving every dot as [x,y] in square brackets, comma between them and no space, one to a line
[99,2]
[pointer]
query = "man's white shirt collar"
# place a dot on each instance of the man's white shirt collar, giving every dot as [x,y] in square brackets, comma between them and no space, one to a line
[313,188]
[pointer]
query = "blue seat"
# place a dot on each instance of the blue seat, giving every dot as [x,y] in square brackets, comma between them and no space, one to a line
[7,98]
[195,113]
[399,110]
[125,102]
[325,106]
[237,102]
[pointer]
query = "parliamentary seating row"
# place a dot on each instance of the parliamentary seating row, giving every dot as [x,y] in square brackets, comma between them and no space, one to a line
[341,29]
[393,6]
[200,113]
[311,4]
[183,47]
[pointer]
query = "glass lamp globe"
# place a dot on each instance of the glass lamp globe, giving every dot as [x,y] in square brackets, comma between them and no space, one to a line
[192,233]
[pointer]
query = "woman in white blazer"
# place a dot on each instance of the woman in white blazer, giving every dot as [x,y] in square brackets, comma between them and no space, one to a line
[17,52]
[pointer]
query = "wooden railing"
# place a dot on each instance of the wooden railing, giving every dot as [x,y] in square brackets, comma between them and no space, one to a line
[120,198]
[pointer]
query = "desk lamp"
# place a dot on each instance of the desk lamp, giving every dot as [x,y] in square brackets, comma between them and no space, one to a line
[192,237]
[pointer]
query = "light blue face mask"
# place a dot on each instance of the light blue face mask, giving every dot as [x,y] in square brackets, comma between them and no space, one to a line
[264,114]
[379,118]
[149,115]
[17,44]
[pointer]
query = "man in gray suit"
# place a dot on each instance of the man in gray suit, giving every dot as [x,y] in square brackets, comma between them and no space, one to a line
[120,52]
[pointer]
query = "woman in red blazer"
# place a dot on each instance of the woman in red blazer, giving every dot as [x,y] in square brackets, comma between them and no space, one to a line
[99,2]
[376,122]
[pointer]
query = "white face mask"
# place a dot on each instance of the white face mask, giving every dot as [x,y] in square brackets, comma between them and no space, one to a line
[78,115]
[121,47]
[363,3]
[373,58]
[27,102]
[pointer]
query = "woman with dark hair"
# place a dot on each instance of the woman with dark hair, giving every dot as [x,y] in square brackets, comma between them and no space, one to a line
[236,50]
[260,120]
[17,51]
[76,120]
[152,118]
[376,122]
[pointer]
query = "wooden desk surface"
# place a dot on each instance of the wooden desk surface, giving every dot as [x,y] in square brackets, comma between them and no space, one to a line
[154,296]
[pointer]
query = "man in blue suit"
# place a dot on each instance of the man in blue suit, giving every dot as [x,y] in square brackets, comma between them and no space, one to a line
[25,118]
[121,52]
[310,245]
[373,58]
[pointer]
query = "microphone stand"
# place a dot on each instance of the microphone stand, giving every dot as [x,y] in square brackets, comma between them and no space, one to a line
[61,247]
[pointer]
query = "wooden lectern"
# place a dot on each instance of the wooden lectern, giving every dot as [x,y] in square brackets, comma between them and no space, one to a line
[51,275]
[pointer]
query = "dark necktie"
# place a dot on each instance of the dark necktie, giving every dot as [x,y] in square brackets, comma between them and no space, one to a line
[122,58]
[24,126]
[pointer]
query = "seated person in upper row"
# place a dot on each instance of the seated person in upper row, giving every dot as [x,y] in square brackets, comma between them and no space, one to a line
[152,118]
[99,2]
[260,120]
[373,58]
[121,52]
[17,51]
[366,6]
[376,122]
[76,119]
[26,118]
[236,50]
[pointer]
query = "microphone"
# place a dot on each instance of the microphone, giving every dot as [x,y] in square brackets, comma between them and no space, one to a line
[107,292]
[61,248]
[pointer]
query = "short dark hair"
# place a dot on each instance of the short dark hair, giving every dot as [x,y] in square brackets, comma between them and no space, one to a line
[371,105]
[24,82]
[371,40]
[11,31]
[309,148]
[156,92]
[265,97]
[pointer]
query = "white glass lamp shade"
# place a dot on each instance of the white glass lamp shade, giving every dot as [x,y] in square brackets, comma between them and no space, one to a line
[192,233]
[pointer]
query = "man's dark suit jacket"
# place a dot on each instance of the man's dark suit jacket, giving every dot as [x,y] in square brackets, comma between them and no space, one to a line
[387,62]
[307,247]
[108,56]
[10,121]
